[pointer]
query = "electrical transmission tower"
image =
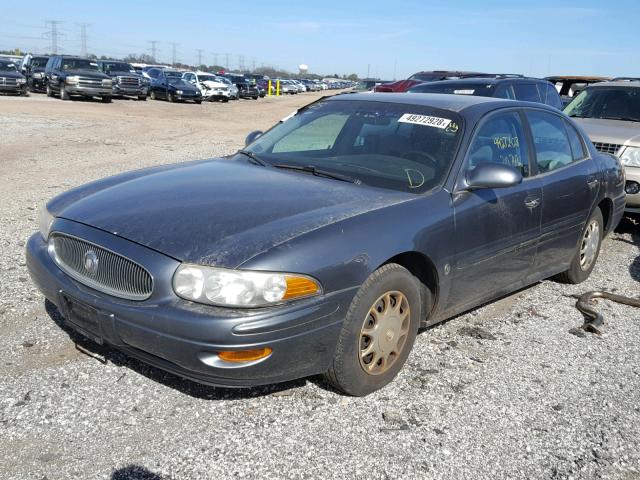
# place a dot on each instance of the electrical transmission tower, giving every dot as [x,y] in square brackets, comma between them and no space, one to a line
[199,57]
[83,38]
[53,34]
[154,49]
[215,59]
[174,45]
[226,65]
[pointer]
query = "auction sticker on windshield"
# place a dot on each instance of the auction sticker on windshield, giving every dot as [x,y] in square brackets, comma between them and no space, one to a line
[427,120]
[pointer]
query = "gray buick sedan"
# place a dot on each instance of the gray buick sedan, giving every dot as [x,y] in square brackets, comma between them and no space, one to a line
[324,245]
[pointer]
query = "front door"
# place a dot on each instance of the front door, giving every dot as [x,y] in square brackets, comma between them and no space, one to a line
[496,230]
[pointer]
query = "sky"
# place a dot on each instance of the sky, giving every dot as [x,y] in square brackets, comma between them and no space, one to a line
[385,39]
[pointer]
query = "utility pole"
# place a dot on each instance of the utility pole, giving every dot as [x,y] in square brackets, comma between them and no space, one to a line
[253,65]
[83,38]
[154,49]
[226,65]
[173,53]
[368,68]
[199,57]
[53,34]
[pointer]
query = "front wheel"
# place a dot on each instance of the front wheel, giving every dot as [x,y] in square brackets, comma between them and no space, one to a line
[142,98]
[63,92]
[49,91]
[170,97]
[378,332]
[106,99]
[152,95]
[587,251]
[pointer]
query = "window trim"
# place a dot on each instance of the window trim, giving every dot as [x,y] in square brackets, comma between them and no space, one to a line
[460,183]
[563,118]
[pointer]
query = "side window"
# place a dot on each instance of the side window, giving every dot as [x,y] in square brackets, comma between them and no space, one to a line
[504,90]
[553,149]
[575,139]
[549,95]
[501,140]
[527,92]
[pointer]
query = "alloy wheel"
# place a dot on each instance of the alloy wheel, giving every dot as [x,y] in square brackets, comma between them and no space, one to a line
[589,245]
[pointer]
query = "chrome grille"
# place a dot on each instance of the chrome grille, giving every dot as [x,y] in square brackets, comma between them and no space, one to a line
[90,82]
[114,275]
[128,81]
[607,147]
[7,81]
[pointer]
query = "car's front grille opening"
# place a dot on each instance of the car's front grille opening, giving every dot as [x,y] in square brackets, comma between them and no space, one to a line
[607,147]
[100,268]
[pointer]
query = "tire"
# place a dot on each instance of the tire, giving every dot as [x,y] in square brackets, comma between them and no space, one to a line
[142,98]
[49,91]
[170,97]
[394,338]
[152,95]
[225,100]
[198,102]
[106,99]
[63,93]
[587,251]
[255,98]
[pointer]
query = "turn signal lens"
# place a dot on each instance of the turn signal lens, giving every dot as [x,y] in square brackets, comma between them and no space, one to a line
[300,287]
[245,355]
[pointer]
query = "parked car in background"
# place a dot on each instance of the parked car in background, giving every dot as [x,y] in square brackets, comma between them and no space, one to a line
[126,82]
[69,76]
[245,88]
[11,80]
[211,88]
[610,114]
[514,88]
[626,79]
[234,93]
[569,86]
[326,243]
[168,84]
[32,68]
[422,77]
[287,87]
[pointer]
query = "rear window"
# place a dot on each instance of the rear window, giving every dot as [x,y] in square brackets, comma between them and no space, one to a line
[527,92]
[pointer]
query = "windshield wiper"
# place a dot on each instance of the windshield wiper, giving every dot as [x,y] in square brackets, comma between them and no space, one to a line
[317,172]
[253,158]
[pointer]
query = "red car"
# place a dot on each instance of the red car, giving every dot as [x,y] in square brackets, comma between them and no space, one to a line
[422,77]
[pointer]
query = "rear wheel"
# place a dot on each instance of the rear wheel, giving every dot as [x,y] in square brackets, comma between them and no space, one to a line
[587,251]
[378,332]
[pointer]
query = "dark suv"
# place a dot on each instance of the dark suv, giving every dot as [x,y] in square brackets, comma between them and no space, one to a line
[167,83]
[126,81]
[514,88]
[33,69]
[68,76]
[11,80]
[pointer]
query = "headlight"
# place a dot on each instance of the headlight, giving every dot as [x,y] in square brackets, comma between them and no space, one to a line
[20,81]
[630,157]
[45,220]
[72,79]
[106,82]
[238,288]
[38,75]
[179,92]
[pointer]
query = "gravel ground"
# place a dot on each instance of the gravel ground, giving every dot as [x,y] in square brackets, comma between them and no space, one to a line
[504,391]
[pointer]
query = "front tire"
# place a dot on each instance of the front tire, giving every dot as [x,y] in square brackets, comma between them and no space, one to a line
[142,98]
[378,332]
[152,95]
[105,99]
[49,91]
[63,92]
[171,98]
[587,251]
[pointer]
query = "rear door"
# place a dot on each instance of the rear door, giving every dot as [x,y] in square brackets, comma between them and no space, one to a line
[496,230]
[570,183]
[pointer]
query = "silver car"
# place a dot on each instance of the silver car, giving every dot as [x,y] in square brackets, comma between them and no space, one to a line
[610,114]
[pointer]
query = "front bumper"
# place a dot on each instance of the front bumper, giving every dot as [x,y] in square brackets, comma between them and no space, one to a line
[88,91]
[632,174]
[183,337]
[129,91]
[19,89]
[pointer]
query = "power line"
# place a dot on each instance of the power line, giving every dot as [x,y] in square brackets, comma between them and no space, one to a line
[53,34]
[83,38]
[154,49]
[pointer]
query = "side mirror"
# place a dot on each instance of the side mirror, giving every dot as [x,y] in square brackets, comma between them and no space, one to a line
[492,175]
[252,137]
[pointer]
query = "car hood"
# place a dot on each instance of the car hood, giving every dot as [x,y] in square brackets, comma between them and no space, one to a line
[611,131]
[123,73]
[10,74]
[217,212]
[87,73]
[212,84]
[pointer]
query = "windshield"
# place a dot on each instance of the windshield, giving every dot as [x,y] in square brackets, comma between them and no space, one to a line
[619,103]
[78,64]
[39,62]
[7,65]
[207,78]
[117,67]
[480,89]
[401,147]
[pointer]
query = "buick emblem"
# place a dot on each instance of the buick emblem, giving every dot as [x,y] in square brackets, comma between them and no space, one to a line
[91,262]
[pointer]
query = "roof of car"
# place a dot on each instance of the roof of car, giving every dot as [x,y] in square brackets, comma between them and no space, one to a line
[557,78]
[483,80]
[620,83]
[455,103]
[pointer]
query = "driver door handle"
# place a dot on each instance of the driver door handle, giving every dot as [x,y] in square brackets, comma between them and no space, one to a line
[592,182]
[532,202]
